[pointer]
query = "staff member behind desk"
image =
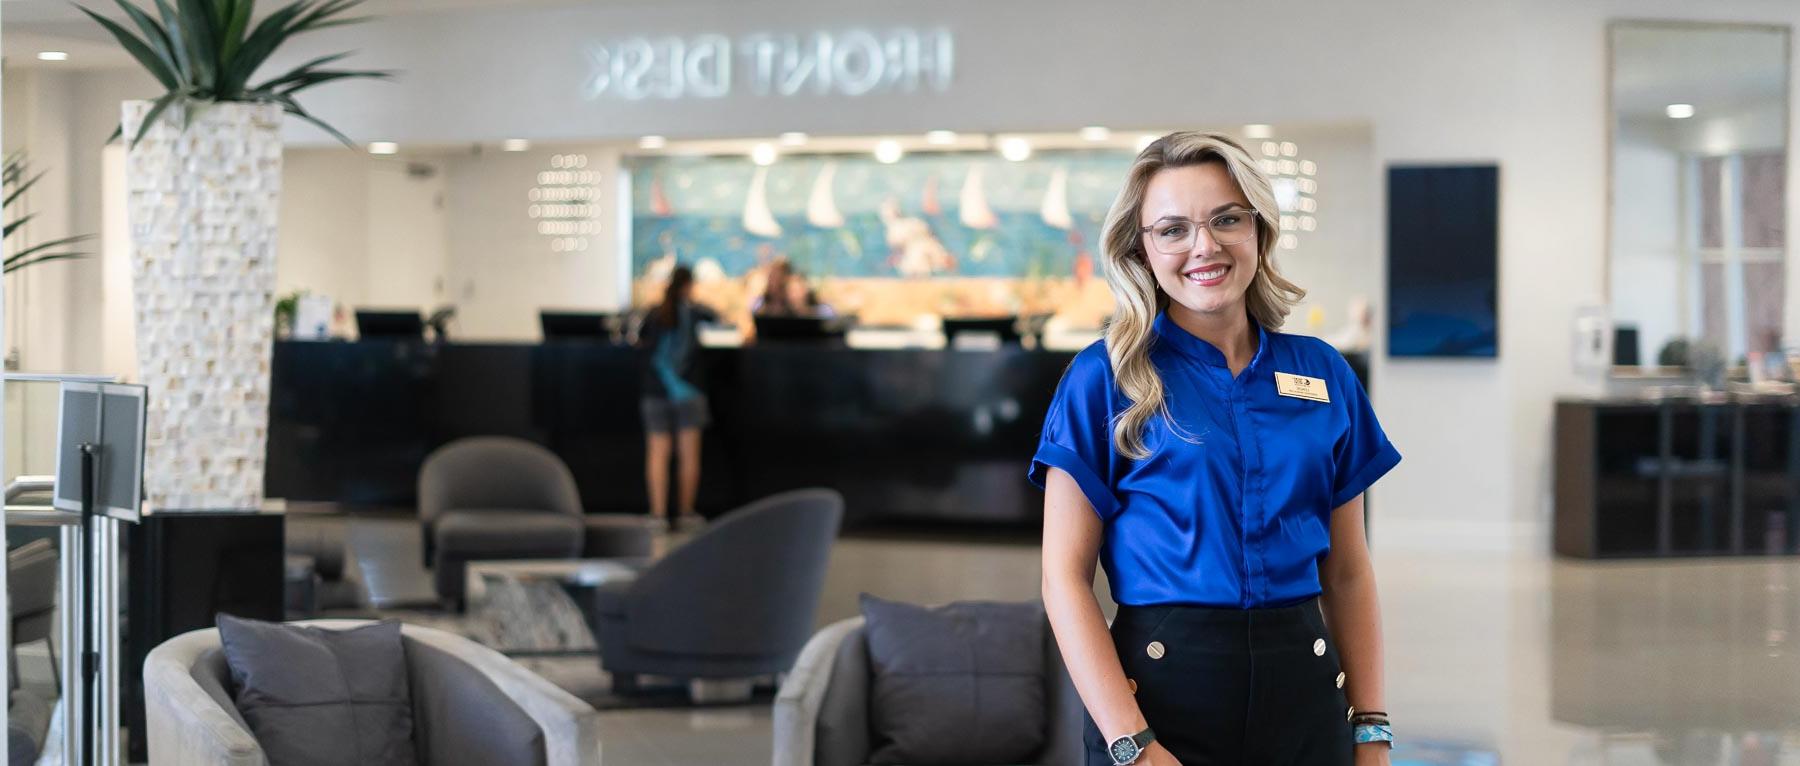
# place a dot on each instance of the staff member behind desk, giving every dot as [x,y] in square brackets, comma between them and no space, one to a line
[674,407]
[1215,467]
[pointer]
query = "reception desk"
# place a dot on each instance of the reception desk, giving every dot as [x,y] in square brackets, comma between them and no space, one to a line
[907,435]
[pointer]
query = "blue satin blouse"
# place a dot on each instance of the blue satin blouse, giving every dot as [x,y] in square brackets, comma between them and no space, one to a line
[1238,513]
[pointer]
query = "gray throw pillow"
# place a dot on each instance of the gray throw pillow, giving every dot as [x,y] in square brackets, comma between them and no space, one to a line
[958,684]
[326,697]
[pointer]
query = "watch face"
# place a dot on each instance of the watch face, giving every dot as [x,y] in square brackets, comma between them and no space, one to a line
[1124,750]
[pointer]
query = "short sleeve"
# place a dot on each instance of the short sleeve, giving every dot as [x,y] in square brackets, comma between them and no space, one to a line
[1362,453]
[1077,434]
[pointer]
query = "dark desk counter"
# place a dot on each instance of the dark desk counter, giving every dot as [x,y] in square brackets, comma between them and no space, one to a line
[906,435]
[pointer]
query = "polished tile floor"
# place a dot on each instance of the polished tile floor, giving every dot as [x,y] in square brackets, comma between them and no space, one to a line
[1540,661]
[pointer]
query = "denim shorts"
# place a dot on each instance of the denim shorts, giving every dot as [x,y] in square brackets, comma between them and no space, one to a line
[663,416]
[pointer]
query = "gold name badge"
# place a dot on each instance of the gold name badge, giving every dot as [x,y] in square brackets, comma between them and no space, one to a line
[1302,387]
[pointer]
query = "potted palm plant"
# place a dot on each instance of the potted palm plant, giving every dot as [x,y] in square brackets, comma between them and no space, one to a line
[203,175]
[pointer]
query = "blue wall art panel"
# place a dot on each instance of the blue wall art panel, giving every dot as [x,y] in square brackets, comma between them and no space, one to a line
[1443,261]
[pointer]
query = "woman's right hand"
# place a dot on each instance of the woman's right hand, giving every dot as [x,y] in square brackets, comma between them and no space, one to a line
[1157,755]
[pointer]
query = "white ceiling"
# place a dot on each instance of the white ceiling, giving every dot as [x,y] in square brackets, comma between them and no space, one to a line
[1715,68]
[30,26]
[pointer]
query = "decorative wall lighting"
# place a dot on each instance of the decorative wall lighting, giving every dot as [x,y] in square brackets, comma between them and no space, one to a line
[383,147]
[793,138]
[565,203]
[652,142]
[1095,133]
[763,154]
[1295,187]
[940,137]
[515,145]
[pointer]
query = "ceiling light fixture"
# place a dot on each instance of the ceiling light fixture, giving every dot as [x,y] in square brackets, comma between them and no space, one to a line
[763,154]
[515,145]
[383,147]
[1015,149]
[53,56]
[940,137]
[793,138]
[1095,133]
[1680,111]
[652,142]
[888,151]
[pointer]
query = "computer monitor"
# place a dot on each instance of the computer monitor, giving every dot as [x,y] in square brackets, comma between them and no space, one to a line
[1005,328]
[110,417]
[1625,345]
[798,329]
[389,324]
[577,325]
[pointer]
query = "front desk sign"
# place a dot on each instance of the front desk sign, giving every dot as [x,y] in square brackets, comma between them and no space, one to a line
[849,63]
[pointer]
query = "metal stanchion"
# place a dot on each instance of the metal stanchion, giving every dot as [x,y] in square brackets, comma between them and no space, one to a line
[69,630]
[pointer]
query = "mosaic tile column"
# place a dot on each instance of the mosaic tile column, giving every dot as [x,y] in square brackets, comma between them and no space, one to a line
[202,209]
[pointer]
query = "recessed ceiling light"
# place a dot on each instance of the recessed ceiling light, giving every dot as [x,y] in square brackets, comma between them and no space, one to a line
[1258,130]
[652,142]
[793,138]
[383,147]
[763,154]
[1144,141]
[940,137]
[53,56]
[1095,133]
[888,151]
[1015,149]
[515,145]
[1680,111]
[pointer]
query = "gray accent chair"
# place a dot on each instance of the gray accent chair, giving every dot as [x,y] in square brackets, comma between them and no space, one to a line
[458,687]
[822,710]
[735,602]
[495,497]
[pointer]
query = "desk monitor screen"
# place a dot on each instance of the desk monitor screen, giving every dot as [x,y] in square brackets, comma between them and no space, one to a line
[575,325]
[389,324]
[797,329]
[111,417]
[1007,328]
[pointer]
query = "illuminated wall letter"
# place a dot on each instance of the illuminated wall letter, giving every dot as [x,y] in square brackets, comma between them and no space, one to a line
[709,66]
[857,63]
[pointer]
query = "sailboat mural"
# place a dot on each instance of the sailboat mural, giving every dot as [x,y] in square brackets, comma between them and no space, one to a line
[928,201]
[659,201]
[1055,210]
[974,203]
[821,205]
[757,218]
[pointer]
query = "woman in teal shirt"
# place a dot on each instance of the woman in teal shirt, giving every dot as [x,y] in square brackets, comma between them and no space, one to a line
[673,406]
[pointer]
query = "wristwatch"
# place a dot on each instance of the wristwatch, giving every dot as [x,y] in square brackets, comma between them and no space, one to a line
[1126,750]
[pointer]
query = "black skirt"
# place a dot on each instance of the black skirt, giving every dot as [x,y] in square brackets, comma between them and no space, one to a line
[1234,687]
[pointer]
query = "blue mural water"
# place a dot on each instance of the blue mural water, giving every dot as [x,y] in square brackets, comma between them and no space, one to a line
[930,214]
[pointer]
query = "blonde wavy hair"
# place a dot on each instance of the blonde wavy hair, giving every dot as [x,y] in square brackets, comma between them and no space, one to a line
[1138,299]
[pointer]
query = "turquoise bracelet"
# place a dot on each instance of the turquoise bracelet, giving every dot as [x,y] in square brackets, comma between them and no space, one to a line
[1370,732]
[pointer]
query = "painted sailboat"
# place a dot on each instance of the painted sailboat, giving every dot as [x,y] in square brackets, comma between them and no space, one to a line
[821,205]
[975,211]
[757,218]
[1055,210]
[928,202]
[659,201]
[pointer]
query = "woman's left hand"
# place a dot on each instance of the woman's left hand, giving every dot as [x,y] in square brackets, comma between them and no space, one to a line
[1372,754]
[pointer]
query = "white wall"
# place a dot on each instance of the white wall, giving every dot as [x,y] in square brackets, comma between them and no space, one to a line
[1519,83]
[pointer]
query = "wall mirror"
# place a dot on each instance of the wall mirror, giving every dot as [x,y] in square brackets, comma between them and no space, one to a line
[1697,267]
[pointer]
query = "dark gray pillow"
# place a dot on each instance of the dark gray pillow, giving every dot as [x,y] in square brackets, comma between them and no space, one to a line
[959,684]
[316,696]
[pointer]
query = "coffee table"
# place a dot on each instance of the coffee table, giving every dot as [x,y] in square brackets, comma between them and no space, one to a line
[524,607]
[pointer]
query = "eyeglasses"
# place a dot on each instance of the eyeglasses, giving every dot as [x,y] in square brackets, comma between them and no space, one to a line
[1175,236]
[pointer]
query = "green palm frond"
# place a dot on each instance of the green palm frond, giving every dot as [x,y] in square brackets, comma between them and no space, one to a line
[13,178]
[206,51]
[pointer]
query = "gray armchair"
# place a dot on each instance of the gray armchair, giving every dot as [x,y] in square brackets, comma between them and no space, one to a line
[495,497]
[466,702]
[822,710]
[735,602]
